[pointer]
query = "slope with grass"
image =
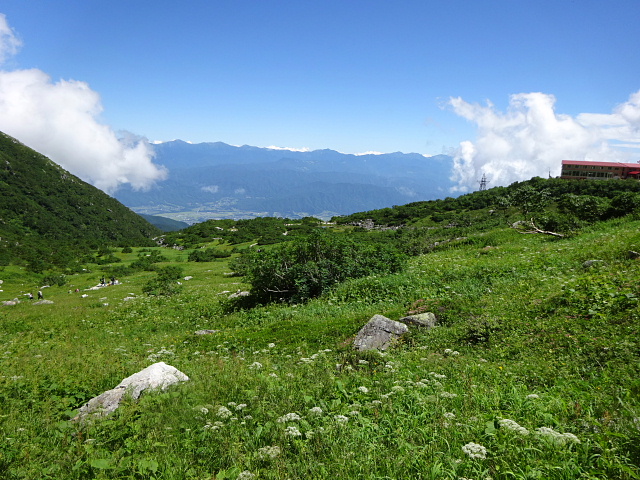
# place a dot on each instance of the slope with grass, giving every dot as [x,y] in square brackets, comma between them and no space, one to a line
[532,372]
[45,211]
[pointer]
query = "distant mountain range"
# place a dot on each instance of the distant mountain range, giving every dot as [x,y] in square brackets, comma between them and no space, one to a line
[216,180]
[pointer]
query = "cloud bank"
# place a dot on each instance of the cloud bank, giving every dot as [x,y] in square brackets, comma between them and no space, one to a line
[530,139]
[60,120]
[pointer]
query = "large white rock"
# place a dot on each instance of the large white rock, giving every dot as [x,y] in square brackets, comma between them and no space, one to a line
[159,375]
[379,333]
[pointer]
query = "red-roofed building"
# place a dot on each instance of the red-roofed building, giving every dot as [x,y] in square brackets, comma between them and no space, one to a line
[578,170]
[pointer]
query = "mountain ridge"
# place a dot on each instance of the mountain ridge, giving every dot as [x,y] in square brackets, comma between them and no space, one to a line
[217,180]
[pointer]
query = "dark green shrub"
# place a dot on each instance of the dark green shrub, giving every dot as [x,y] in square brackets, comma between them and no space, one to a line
[207,255]
[127,250]
[53,279]
[305,268]
[165,283]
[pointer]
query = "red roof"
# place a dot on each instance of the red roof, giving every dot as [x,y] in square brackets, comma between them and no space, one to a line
[601,164]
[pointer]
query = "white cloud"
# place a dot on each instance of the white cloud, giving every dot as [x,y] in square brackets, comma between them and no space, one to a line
[531,139]
[60,120]
[210,189]
[9,42]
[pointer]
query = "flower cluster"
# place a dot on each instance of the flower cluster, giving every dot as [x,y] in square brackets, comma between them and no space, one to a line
[292,432]
[271,451]
[289,417]
[223,412]
[557,437]
[474,450]
[513,426]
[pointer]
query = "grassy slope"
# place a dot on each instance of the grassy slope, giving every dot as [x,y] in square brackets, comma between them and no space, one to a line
[525,316]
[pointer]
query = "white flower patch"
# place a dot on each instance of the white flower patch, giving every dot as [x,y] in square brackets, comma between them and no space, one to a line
[448,395]
[557,437]
[271,451]
[289,417]
[292,432]
[255,366]
[513,426]
[315,411]
[475,451]
[341,419]
[363,389]
[223,412]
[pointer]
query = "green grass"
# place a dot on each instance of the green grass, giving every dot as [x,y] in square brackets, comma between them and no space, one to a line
[526,333]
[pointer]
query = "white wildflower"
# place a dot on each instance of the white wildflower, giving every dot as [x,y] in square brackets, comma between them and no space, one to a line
[204,410]
[474,450]
[513,426]
[449,415]
[363,389]
[289,417]
[223,412]
[315,411]
[241,406]
[271,345]
[397,388]
[341,418]
[448,395]
[292,432]
[363,362]
[557,437]
[255,366]
[533,396]
[246,475]
[271,451]
[273,375]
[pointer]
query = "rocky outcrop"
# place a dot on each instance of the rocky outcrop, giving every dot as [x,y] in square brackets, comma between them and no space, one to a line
[423,320]
[159,375]
[379,333]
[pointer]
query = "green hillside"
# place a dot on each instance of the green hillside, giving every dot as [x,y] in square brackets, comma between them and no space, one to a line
[45,211]
[532,371]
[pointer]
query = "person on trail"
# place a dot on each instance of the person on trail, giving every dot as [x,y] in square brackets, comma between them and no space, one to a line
[40,296]
[30,296]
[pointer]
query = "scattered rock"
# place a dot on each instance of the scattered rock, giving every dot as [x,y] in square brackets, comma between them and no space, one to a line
[379,333]
[239,294]
[159,375]
[43,302]
[10,302]
[206,332]
[126,299]
[426,320]
[188,277]
[591,263]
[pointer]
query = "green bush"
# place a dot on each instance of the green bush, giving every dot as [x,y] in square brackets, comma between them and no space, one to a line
[207,255]
[305,268]
[165,283]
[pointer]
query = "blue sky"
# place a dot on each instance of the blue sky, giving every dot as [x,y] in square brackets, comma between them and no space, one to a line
[350,75]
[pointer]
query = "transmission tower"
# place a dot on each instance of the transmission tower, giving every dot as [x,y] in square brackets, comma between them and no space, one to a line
[483,182]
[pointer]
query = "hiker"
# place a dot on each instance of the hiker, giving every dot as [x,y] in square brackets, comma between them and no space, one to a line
[30,296]
[40,296]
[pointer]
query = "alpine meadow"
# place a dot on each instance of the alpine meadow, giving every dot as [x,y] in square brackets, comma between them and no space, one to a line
[530,369]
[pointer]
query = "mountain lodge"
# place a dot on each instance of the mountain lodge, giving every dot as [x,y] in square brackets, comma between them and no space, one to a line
[579,169]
